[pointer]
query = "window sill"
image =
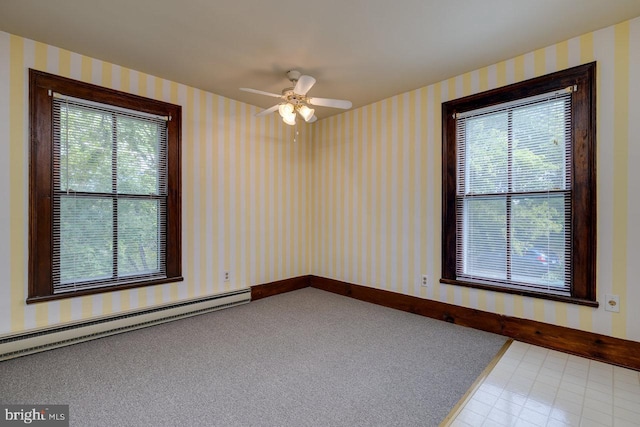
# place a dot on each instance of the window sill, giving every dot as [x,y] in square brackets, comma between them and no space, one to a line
[73,294]
[523,292]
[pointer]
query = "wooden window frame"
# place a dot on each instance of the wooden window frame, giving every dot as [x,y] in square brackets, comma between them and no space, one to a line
[41,183]
[583,200]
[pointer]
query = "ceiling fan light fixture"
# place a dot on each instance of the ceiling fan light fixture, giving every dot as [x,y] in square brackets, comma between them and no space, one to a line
[306,112]
[286,109]
[289,119]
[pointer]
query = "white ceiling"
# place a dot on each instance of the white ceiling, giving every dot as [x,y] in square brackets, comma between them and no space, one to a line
[360,50]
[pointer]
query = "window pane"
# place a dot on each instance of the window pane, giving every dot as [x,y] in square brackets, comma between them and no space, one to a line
[539,146]
[538,240]
[484,234]
[138,237]
[486,154]
[86,236]
[138,156]
[85,149]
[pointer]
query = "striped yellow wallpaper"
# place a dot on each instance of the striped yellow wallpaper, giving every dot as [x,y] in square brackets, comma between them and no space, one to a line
[377,186]
[245,190]
[357,196]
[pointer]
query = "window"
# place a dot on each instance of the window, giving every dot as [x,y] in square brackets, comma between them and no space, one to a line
[104,189]
[519,188]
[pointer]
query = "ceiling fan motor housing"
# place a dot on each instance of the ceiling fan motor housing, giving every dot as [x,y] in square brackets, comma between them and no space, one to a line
[291,97]
[293,75]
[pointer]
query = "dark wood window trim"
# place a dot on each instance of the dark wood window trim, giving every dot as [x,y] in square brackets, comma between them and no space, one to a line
[583,202]
[41,179]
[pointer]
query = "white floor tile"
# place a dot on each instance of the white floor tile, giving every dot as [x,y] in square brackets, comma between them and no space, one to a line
[568,407]
[626,375]
[470,417]
[573,388]
[598,405]
[556,423]
[585,422]
[624,423]
[533,417]
[600,387]
[478,407]
[537,406]
[531,386]
[498,417]
[568,418]
[606,398]
[627,391]
[524,423]
[508,406]
[627,404]
[543,393]
[625,414]
[486,397]
[570,396]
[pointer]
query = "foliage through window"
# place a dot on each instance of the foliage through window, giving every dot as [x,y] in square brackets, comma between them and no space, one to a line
[105,189]
[518,188]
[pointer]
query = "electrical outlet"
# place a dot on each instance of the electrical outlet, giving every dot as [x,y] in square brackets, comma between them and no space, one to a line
[612,303]
[424,280]
[226,276]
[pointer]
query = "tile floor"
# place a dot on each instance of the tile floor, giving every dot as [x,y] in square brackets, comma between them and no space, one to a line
[532,386]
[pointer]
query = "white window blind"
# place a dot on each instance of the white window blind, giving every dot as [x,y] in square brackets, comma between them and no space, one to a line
[513,197]
[110,195]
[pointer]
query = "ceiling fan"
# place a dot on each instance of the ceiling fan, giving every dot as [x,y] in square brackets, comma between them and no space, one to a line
[295,100]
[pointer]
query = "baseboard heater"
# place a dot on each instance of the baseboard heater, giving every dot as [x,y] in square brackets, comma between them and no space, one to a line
[34,341]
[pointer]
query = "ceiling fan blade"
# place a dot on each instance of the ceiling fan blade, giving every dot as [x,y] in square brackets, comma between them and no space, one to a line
[312,119]
[304,84]
[260,92]
[327,102]
[268,111]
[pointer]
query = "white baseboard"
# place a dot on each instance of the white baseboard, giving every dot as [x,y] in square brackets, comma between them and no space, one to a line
[33,341]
